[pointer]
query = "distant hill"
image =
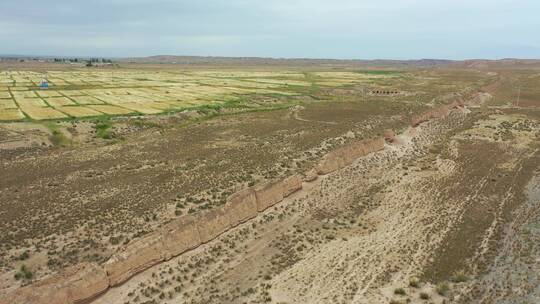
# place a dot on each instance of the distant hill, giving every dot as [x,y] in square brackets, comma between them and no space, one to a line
[199,60]
[257,61]
[501,63]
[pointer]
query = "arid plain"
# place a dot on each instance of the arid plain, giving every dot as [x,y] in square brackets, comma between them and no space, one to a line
[387,183]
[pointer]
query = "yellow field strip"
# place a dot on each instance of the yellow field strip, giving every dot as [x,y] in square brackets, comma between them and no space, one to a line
[10,114]
[78,111]
[84,93]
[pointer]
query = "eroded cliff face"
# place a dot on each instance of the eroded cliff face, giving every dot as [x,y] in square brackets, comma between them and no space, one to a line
[134,258]
[344,156]
[291,184]
[268,195]
[241,206]
[84,282]
[389,135]
[180,236]
[212,223]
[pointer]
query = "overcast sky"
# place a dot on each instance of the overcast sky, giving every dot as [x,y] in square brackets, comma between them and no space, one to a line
[360,29]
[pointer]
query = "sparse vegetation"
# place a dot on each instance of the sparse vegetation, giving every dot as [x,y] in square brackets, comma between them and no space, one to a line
[95,197]
[23,256]
[24,273]
[424,296]
[414,282]
[442,289]
[400,291]
[459,277]
[103,129]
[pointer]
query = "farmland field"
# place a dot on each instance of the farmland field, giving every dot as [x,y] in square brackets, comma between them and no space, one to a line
[142,92]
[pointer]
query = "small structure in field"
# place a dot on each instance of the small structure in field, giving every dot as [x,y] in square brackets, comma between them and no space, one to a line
[44,84]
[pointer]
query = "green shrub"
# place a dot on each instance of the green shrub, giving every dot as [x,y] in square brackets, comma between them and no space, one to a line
[23,256]
[24,273]
[103,129]
[442,289]
[459,276]
[400,291]
[414,283]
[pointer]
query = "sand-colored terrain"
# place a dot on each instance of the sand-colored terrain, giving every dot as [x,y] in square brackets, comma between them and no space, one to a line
[359,234]
[445,211]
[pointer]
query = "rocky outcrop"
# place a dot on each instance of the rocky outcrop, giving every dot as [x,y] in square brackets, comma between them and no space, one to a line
[241,206]
[344,156]
[134,258]
[291,184]
[45,291]
[439,112]
[330,163]
[212,223]
[179,236]
[85,282]
[269,194]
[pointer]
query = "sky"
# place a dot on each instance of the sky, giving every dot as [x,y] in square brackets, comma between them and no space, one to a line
[341,29]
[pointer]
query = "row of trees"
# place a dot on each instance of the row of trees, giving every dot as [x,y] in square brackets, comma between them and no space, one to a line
[87,60]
